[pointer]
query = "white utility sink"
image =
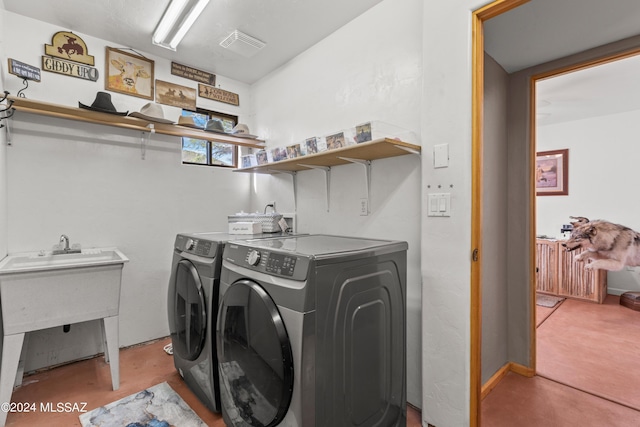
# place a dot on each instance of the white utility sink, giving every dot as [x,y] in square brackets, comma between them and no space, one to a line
[38,261]
[39,290]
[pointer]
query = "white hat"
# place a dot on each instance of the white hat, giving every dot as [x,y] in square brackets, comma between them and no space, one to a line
[241,130]
[151,112]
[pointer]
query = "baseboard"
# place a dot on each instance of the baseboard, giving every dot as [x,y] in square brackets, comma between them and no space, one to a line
[521,370]
[498,376]
[494,380]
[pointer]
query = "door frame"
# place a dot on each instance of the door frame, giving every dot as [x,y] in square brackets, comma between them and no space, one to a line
[489,11]
[593,57]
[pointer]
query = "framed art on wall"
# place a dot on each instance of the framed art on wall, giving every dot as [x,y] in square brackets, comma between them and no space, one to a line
[129,74]
[552,173]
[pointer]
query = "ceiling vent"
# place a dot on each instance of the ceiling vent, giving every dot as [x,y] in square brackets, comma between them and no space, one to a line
[242,44]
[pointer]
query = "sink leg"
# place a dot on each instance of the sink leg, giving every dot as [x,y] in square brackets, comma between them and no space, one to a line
[11,349]
[110,325]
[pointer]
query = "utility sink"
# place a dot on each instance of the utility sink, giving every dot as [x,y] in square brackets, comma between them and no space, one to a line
[40,290]
[39,261]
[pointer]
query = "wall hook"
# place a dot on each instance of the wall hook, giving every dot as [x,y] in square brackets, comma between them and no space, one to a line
[26,85]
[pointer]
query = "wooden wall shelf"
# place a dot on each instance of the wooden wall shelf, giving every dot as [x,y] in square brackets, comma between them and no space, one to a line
[133,123]
[362,154]
[366,151]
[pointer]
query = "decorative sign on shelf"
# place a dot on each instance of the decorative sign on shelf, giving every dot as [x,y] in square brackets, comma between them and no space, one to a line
[193,74]
[23,70]
[69,46]
[216,94]
[68,68]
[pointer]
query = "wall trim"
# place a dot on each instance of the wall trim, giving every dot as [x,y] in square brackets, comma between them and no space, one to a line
[493,382]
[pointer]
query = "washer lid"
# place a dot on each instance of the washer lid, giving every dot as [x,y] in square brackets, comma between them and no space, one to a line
[320,244]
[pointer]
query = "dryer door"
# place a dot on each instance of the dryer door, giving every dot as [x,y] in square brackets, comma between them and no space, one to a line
[255,357]
[190,312]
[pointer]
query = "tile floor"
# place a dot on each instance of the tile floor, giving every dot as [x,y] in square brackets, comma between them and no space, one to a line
[90,381]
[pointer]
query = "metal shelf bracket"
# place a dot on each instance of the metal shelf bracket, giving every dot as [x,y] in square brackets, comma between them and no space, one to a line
[367,168]
[327,178]
[294,182]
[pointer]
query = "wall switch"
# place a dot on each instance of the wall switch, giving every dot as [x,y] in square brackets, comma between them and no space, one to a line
[364,207]
[441,156]
[439,204]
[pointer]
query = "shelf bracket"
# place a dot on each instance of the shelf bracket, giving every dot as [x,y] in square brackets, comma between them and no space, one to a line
[409,150]
[144,140]
[294,182]
[367,168]
[327,178]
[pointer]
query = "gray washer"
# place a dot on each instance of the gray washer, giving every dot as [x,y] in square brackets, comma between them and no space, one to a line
[192,302]
[311,332]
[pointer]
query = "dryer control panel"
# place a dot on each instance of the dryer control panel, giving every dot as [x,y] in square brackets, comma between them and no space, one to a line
[274,263]
[193,245]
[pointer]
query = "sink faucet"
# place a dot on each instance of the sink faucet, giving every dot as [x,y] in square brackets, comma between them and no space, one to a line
[64,238]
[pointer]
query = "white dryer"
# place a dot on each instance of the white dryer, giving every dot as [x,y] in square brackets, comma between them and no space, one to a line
[311,332]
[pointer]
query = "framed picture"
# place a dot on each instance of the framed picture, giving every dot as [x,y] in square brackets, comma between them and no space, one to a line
[552,173]
[129,74]
[175,95]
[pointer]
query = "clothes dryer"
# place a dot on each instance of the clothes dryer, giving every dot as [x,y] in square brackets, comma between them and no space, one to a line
[193,307]
[311,332]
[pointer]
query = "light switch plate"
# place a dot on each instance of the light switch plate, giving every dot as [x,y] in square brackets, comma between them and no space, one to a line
[439,204]
[441,156]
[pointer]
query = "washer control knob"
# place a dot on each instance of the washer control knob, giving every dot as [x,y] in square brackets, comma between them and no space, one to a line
[254,257]
[190,245]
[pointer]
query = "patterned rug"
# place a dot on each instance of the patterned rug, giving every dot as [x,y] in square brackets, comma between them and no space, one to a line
[157,406]
[548,300]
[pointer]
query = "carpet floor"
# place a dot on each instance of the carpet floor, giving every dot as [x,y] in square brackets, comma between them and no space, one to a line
[594,348]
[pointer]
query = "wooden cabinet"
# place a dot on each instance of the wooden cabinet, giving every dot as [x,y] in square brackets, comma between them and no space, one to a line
[557,273]
[547,266]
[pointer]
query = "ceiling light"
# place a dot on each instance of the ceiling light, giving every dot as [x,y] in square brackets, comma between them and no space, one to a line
[242,44]
[176,21]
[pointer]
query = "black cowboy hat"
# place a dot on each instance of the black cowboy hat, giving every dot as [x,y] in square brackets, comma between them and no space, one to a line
[103,104]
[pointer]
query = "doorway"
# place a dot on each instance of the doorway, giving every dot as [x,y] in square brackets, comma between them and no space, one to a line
[522,98]
[589,111]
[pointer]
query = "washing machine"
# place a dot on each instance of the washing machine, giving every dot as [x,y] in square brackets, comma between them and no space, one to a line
[311,332]
[193,307]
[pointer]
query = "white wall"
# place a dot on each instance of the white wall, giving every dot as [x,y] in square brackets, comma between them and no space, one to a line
[368,70]
[89,182]
[603,152]
[446,260]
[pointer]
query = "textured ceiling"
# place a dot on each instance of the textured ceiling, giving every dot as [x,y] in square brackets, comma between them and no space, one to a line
[287,26]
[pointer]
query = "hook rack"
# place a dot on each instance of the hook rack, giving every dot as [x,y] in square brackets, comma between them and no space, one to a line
[8,111]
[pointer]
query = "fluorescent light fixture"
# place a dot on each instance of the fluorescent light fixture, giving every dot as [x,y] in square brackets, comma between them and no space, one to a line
[176,21]
[242,44]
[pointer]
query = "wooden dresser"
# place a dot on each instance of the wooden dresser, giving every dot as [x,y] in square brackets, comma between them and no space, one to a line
[557,273]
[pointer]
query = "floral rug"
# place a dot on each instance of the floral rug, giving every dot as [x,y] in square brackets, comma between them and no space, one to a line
[157,406]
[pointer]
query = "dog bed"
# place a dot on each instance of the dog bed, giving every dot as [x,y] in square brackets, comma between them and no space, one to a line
[631,300]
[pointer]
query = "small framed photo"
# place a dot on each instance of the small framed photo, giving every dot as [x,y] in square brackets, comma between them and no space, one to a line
[363,133]
[261,157]
[335,141]
[311,145]
[129,74]
[552,173]
[279,153]
[294,151]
